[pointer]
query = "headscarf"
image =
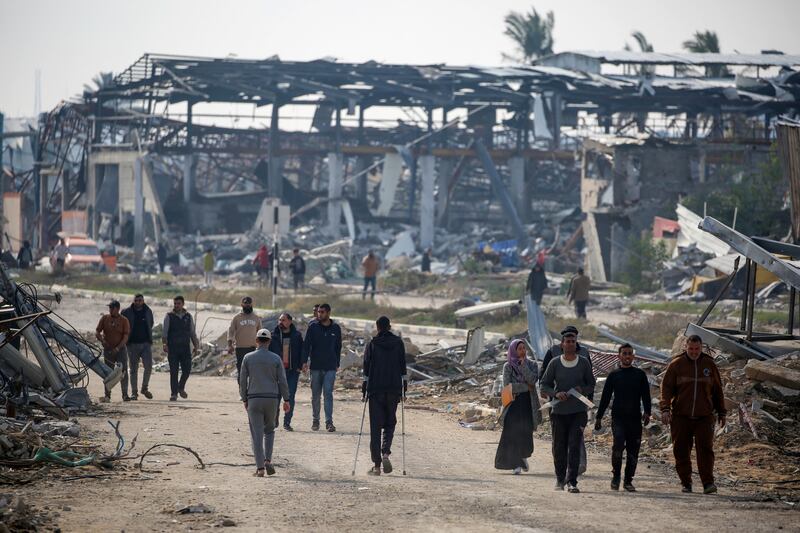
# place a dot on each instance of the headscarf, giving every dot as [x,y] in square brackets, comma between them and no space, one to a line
[513,360]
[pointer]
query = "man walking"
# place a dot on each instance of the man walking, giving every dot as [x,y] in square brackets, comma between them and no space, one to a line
[426,261]
[242,332]
[567,378]
[322,349]
[579,292]
[287,342]
[140,345]
[370,265]
[298,268]
[161,256]
[537,283]
[262,262]
[112,332]
[569,336]
[178,333]
[384,386]
[631,391]
[691,395]
[261,386]
[25,256]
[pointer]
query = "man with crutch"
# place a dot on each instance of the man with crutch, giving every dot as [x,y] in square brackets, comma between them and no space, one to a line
[384,387]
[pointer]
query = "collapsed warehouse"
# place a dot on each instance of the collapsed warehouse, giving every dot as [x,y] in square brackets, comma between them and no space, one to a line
[433,147]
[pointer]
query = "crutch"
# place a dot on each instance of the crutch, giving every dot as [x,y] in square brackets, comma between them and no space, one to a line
[403,427]
[360,431]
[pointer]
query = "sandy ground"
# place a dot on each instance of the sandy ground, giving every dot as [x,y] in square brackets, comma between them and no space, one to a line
[451,483]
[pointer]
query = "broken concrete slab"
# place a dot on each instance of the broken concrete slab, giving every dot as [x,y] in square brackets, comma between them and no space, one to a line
[769,371]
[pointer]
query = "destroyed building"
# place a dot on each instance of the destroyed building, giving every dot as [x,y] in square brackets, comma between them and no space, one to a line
[435,147]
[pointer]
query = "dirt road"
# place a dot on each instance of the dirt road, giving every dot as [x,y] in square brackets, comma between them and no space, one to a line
[451,484]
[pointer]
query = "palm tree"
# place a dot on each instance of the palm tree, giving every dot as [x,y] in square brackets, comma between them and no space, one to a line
[705,42]
[532,34]
[644,46]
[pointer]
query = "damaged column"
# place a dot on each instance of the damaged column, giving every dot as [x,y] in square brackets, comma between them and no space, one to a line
[335,162]
[427,164]
[138,206]
[516,167]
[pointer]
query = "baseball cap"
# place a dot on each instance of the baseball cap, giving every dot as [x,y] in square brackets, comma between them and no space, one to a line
[113,303]
[263,333]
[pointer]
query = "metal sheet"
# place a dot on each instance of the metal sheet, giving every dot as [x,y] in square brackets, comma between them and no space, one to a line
[392,170]
[691,234]
[744,245]
[658,58]
[541,341]
[641,351]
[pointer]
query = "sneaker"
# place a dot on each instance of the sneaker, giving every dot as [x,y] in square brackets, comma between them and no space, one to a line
[517,471]
[330,427]
[270,468]
[686,488]
[559,485]
[615,483]
[573,489]
[173,398]
[259,473]
[147,394]
[629,486]
[374,471]
[387,464]
[287,427]
[525,465]
[315,425]
[134,397]
[126,398]
[183,394]
[105,399]
[709,488]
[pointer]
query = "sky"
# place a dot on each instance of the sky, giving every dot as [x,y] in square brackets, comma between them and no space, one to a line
[70,41]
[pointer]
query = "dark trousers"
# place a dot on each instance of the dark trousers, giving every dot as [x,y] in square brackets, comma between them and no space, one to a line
[299,280]
[179,358]
[580,309]
[292,377]
[382,421]
[627,432]
[240,353]
[369,280]
[567,431]
[700,433]
[112,359]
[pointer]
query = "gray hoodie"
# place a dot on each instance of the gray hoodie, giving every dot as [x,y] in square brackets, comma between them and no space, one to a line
[263,376]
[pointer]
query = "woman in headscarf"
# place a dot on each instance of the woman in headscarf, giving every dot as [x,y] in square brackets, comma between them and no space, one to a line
[521,417]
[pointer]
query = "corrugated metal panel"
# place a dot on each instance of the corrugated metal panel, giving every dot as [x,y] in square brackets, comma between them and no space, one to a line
[789,150]
[691,234]
[658,58]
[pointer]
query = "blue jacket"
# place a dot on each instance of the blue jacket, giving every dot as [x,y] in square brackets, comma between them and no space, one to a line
[295,346]
[323,345]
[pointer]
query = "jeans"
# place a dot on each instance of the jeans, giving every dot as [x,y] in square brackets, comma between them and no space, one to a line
[260,412]
[382,420]
[627,432]
[144,352]
[322,381]
[567,430]
[292,377]
[369,280]
[179,358]
[121,357]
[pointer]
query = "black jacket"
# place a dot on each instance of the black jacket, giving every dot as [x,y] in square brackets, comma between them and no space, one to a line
[295,346]
[297,265]
[631,392]
[323,345]
[537,282]
[130,314]
[385,363]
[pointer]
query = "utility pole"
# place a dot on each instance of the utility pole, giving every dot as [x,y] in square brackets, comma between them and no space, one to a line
[276,235]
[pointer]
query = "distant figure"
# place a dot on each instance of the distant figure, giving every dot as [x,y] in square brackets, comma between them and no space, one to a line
[537,283]
[140,345]
[426,261]
[261,387]
[60,253]
[25,256]
[113,331]
[161,255]
[242,332]
[370,265]
[384,386]
[298,268]
[208,266]
[261,263]
[579,292]
[179,331]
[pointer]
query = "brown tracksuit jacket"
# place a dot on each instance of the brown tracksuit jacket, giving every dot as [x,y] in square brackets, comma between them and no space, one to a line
[692,388]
